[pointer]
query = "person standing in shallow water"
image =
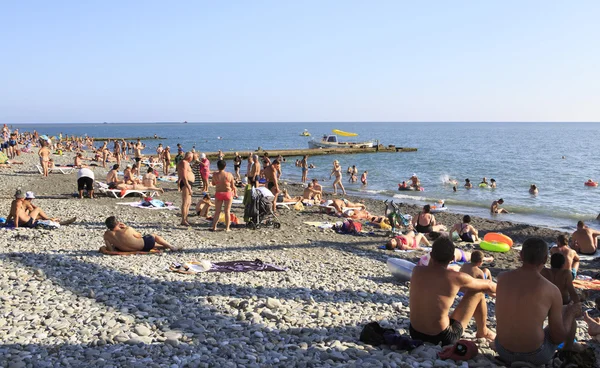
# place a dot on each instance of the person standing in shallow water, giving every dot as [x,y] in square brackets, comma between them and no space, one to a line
[337,172]
[304,166]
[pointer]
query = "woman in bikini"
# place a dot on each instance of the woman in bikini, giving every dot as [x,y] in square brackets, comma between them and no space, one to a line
[408,241]
[466,231]
[425,222]
[337,172]
[225,191]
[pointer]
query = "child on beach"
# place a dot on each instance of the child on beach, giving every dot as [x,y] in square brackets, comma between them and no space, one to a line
[473,268]
[203,206]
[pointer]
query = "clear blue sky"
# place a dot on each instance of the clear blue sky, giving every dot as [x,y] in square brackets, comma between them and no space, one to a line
[135,61]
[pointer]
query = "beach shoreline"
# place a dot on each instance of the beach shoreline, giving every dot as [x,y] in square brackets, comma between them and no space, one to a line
[56,285]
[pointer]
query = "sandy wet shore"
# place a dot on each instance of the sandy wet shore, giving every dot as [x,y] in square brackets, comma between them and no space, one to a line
[65,304]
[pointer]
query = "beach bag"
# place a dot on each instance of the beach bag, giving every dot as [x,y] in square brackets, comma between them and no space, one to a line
[349,227]
[374,334]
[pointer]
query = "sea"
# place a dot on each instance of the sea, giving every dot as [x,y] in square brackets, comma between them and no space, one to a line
[557,157]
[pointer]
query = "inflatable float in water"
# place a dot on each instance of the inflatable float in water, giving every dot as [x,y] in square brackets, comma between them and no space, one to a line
[409,189]
[494,246]
[438,209]
[400,268]
[499,238]
[591,183]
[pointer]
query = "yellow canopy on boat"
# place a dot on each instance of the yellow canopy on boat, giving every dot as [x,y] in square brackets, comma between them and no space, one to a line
[344,134]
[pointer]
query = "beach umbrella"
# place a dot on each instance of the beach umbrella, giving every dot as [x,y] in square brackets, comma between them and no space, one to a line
[344,134]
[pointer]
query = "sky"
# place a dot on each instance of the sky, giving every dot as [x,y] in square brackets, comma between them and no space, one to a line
[286,61]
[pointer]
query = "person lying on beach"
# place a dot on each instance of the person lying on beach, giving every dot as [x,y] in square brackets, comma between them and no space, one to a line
[37,213]
[341,205]
[357,214]
[112,178]
[203,206]
[495,208]
[149,180]
[561,278]
[122,238]
[524,299]
[533,189]
[425,222]
[459,256]
[408,241]
[466,232]
[584,240]
[571,257]
[284,196]
[473,267]
[433,289]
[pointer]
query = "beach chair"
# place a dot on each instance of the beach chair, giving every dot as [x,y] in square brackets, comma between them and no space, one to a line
[118,193]
[152,164]
[60,169]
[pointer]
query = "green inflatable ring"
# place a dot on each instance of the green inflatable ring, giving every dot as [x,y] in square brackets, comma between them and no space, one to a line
[494,246]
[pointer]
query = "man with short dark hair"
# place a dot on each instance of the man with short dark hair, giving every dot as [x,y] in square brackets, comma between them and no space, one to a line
[523,302]
[584,239]
[433,289]
[120,237]
[495,208]
[561,278]
[571,257]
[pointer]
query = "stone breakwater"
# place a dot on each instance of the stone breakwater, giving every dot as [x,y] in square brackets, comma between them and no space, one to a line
[64,304]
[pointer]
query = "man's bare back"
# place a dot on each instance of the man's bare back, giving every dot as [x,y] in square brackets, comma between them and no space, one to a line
[584,239]
[563,280]
[571,257]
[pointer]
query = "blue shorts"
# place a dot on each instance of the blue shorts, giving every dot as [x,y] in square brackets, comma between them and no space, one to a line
[540,356]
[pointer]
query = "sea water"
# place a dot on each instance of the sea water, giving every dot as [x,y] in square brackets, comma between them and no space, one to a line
[516,155]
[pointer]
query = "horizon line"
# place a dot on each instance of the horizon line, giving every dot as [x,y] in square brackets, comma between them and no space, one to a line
[306,122]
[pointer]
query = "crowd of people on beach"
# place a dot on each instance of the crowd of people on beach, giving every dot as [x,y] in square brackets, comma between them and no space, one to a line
[524,297]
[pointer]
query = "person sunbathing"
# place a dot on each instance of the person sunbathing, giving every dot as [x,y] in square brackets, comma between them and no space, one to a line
[425,222]
[561,278]
[341,205]
[18,214]
[459,256]
[584,239]
[571,256]
[524,300]
[37,213]
[112,178]
[310,193]
[149,180]
[203,206]
[473,267]
[433,289]
[122,238]
[357,214]
[286,197]
[407,241]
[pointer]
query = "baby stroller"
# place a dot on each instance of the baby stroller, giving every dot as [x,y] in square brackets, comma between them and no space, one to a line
[395,217]
[259,210]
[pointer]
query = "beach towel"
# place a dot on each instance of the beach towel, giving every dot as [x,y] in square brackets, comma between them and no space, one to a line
[105,250]
[320,224]
[231,266]
[587,284]
[168,206]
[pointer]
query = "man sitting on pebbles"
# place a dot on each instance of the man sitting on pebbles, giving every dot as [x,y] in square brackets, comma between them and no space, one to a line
[524,300]
[121,238]
[433,289]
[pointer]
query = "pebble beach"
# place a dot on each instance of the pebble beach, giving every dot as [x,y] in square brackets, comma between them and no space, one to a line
[65,304]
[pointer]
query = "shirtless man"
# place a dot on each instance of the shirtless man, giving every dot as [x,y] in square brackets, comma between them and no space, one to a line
[561,278]
[203,206]
[185,180]
[408,241]
[137,152]
[44,154]
[571,257]
[473,268]
[468,184]
[112,178]
[120,237]
[18,213]
[523,302]
[310,193]
[584,239]
[254,173]
[272,181]
[495,208]
[433,289]
[318,188]
[304,166]
[166,159]
[149,180]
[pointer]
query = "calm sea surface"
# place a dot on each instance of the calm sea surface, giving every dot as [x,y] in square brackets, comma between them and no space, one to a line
[515,154]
